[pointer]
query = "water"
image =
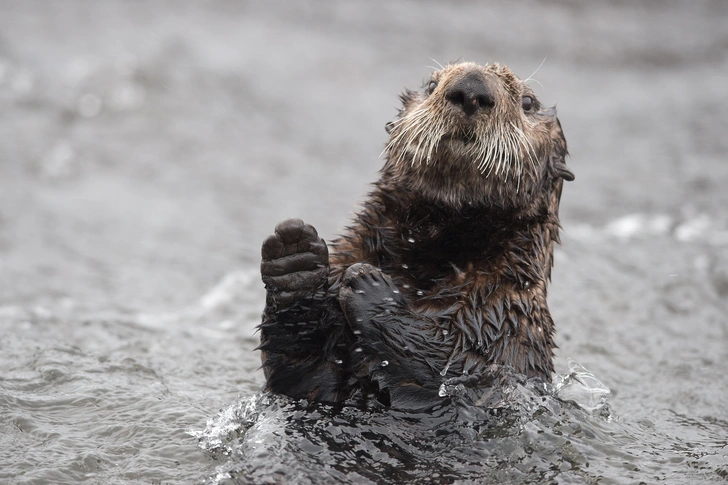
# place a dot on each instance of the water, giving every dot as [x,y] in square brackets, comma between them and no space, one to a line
[146,151]
[520,432]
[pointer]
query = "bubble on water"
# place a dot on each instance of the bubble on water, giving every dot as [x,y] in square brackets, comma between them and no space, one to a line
[384,363]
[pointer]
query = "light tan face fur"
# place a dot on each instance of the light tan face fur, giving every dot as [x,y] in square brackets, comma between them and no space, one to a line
[463,151]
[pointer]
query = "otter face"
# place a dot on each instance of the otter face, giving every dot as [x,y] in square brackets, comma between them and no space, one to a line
[476,135]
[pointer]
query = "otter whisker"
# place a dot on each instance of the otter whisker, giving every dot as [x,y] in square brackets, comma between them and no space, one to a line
[526,143]
[441,66]
[529,78]
[412,129]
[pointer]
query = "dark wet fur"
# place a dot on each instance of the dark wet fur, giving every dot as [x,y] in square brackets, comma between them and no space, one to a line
[426,285]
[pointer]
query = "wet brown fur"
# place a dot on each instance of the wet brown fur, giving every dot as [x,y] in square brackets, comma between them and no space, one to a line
[460,227]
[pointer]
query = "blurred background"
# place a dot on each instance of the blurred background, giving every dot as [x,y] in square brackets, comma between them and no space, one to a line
[148,147]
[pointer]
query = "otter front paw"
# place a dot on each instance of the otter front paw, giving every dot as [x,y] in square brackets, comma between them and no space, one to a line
[295,263]
[365,292]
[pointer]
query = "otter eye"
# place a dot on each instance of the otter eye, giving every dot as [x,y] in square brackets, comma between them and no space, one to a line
[527,103]
[431,87]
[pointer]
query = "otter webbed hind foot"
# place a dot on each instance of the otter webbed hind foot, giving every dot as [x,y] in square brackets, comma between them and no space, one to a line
[295,263]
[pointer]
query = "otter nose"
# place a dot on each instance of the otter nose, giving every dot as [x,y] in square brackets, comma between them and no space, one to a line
[470,94]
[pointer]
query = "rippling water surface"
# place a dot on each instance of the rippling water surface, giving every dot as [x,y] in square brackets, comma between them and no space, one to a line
[525,432]
[147,148]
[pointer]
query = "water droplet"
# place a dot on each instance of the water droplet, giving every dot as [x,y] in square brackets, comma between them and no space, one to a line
[388,298]
[395,291]
[406,287]
[360,292]
[420,292]
[444,332]
[359,319]
[411,240]
[358,349]
[444,371]
[357,332]
[385,363]
[375,283]
[404,266]
[405,348]
[339,361]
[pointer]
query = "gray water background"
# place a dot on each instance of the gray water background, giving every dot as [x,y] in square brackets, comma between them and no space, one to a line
[147,148]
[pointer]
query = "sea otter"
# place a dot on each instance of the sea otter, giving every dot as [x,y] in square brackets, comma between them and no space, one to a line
[443,272]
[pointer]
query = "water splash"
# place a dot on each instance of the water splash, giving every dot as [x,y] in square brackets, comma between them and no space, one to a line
[583,388]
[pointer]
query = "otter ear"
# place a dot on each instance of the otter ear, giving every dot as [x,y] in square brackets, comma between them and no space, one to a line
[557,158]
[407,96]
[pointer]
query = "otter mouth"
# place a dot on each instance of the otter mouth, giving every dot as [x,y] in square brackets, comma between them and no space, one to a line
[465,137]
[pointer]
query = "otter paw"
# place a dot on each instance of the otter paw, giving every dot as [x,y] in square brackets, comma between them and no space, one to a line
[295,261]
[365,292]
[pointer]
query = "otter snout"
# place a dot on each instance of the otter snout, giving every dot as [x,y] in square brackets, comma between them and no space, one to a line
[471,94]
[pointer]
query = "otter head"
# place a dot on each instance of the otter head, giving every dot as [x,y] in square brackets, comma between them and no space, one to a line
[477,135]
